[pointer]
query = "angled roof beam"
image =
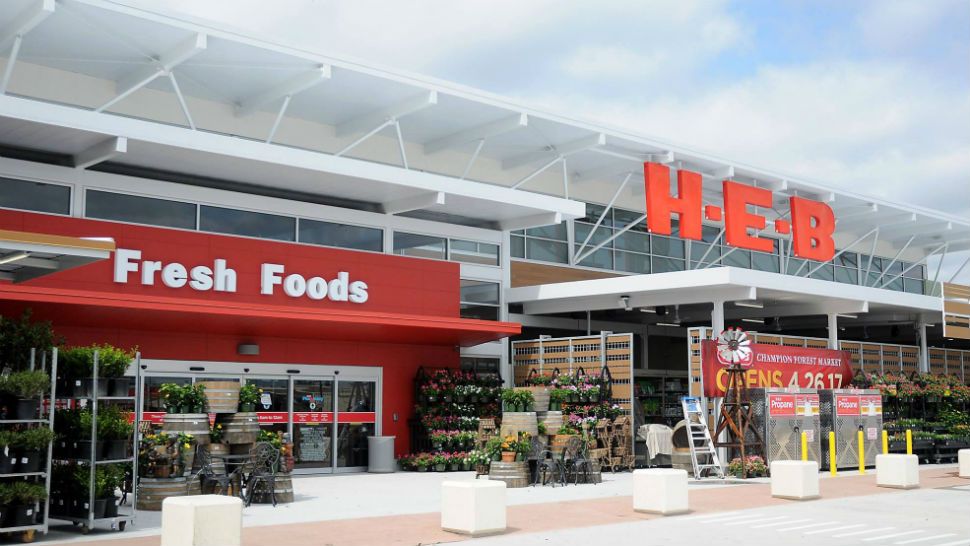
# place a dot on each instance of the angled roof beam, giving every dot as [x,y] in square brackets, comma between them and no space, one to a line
[480,132]
[605,171]
[387,114]
[417,202]
[562,150]
[26,21]
[536,220]
[160,66]
[288,88]
[932,239]
[854,212]
[722,173]
[100,152]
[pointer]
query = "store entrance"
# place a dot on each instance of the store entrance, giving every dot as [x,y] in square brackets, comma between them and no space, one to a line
[328,416]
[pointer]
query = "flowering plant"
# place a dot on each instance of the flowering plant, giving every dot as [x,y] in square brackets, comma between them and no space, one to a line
[754,466]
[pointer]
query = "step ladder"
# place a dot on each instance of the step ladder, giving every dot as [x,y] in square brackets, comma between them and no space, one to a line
[703,457]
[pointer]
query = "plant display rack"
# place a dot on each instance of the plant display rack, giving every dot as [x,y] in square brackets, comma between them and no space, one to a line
[451,401]
[126,514]
[28,532]
[660,397]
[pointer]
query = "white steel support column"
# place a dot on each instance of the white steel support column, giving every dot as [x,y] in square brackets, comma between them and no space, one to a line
[924,356]
[833,331]
[717,318]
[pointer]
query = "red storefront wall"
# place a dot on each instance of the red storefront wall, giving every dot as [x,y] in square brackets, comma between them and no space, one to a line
[402,292]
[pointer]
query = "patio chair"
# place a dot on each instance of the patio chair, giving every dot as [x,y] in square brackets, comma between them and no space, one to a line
[574,461]
[207,475]
[264,462]
[546,465]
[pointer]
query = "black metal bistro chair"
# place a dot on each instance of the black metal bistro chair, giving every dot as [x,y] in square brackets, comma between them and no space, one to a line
[220,482]
[574,461]
[264,462]
[546,467]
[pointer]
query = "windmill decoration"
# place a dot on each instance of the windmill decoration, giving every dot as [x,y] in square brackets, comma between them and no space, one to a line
[734,350]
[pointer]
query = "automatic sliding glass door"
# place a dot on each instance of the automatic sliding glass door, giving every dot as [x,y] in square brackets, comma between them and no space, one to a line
[313,423]
[356,420]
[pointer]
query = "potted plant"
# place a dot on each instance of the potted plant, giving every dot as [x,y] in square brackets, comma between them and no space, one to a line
[556,399]
[85,443]
[8,452]
[26,387]
[173,396]
[526,400]
[195,400]
[32,445]
[112,365]
[115,427]
[523,445]
[112,480]
[509,448]
[248,397]
[24,497]
[594,393]
[421,462]
[67,423]
[510,400]
[439,462]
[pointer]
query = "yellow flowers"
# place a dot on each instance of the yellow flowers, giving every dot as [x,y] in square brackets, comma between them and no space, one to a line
[187,445]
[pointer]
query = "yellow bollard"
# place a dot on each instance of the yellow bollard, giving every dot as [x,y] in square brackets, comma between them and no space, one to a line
[885,442]
[909,442]
[862,453]
[804,446]
[832,466]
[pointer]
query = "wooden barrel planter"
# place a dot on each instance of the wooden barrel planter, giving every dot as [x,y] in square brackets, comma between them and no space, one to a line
[196,424]
[513,474]
[240,449]
[222,396]
[153,491]
[241,428]
[541,396]
[514,422]
[559,442]
[218,465]
[552,420]
[284,490]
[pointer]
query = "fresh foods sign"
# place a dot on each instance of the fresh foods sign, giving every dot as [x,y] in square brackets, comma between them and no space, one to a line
[130,266]
[811,227]
[779,366]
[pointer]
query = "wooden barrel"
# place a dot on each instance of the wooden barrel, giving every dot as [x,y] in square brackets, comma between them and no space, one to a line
[284,490]
[559,442]
[240,449]
[552,420]
[514,422]
[223,396]
[541,396]
[218,465]
[196,424]
[152,491]
[241,428]
[513,474]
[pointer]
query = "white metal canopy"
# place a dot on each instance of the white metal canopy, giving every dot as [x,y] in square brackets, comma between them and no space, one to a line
[25,256]
[102,57]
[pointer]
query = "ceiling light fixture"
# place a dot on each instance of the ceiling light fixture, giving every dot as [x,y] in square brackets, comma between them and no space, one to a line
[625,303]
[754,320]
[13,257]
[751,304]
[670,324]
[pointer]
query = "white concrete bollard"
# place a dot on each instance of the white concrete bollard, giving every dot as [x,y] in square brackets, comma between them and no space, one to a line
[796,480]
[473,507]
[897,470]
[660,491]
[963,456]
[202,520]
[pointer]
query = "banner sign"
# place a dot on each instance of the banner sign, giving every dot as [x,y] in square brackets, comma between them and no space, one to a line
[273,417]
[847,405]
[779,366]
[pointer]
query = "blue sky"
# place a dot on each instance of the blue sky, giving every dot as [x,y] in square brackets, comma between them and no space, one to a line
[868,95]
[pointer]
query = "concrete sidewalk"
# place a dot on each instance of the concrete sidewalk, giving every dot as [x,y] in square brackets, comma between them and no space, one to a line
[403,508]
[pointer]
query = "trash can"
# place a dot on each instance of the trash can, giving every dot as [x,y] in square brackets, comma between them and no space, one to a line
[380,454]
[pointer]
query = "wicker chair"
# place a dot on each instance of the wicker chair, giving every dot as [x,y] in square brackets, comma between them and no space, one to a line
[264,462]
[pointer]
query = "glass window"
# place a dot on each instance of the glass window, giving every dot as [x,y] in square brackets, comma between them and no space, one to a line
[633,240]
[313,404]
[848,259]
[593,213]
[825,273]
[355,398]
[698,250]
[274,394]
[877,264]
[555,231]
[480,365]
[249,224]
[602,258]
[624,217]
[341,235]
[421,246]
[896,284]
[918,272]
[737,258]
[473,252]
[601,234]
[139,210]
[764,262]
[709,234]
[632,262]
[913,286]
[666,246]
[36,196]
[517,249]
[897,267]
[479,299]
[663,265]
[846,275]
[546,251]
[794,264]
[153,398]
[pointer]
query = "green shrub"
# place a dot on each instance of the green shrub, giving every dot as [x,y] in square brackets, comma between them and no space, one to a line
[113,423]
[33,439]
[23,492]
[26,384]
[19,335]
[78,362]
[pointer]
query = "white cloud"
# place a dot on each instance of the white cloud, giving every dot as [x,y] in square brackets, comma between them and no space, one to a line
[897,24]
[612,62]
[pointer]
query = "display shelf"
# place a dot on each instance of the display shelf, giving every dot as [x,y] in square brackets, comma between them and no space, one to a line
[21,421]
[23,474]
[35,527]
